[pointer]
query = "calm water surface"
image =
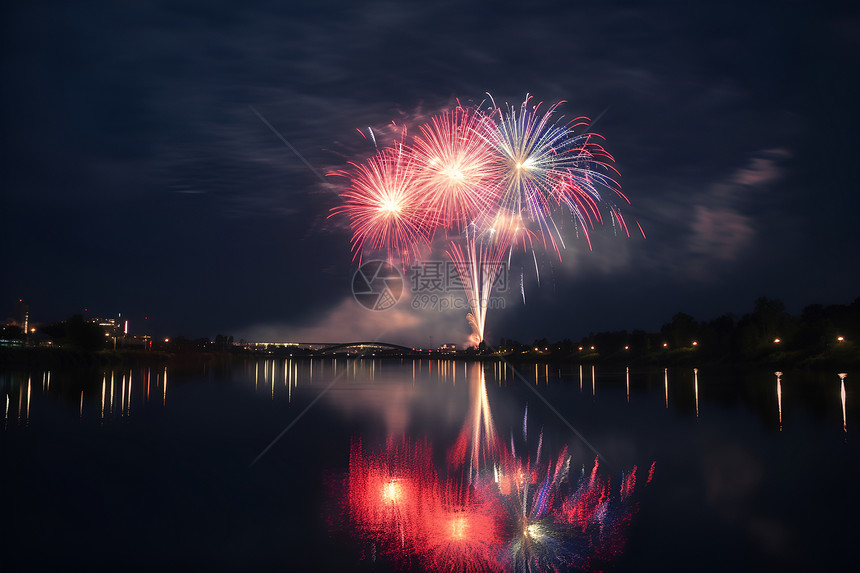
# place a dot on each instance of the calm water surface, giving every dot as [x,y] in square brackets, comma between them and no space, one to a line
[237,466]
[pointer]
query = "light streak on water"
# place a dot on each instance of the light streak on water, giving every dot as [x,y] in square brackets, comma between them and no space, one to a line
[627,376]
[128,403]
[844,419]
[666,384]
[20,400]
[696,388]
[593,382]
[779,397]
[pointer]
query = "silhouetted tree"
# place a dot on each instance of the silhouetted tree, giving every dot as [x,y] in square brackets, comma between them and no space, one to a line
[83,335]
[12,332]
[681,331]
[639,342]
[717,335]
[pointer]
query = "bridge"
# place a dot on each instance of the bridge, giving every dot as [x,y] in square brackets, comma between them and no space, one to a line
[364,348]
[367,348]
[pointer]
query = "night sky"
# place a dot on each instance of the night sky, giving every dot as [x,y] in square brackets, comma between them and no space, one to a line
[136,177]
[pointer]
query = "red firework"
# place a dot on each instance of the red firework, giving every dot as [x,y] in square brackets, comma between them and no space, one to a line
[387,211]
[456,167]
[463,532]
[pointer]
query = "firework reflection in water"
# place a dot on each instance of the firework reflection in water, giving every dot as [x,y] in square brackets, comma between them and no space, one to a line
[492,510]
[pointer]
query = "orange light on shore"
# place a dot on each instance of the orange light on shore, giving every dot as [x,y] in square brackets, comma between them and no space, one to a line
[695,343]
[776,340]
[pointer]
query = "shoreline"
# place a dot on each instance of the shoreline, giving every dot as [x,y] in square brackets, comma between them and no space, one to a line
[68,357]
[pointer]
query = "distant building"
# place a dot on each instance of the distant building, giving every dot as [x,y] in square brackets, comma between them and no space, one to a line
[111,326]
[22,315]
[448,348]
[16,330]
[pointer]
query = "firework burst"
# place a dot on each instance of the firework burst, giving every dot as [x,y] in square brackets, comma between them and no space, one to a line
[543,163]
[455,168]
[386,213]
[490,180]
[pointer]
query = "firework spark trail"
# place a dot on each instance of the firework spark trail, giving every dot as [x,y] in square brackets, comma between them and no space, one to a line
[479,263]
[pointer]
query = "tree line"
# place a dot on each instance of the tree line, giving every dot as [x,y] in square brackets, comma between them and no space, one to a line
[767,334]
